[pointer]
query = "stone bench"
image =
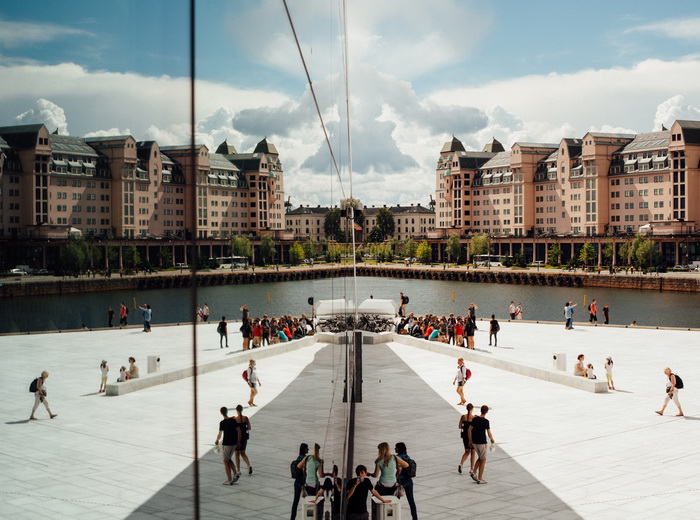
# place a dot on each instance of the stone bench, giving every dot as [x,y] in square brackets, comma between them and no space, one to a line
[597,386]
[159,378]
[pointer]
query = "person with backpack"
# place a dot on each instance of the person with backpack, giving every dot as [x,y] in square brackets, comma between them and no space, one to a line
[222,329]
[460,378]
[674,384]
[38,388]
[494,327]
[406,477]
[298,476]
[253,381]
[386,468]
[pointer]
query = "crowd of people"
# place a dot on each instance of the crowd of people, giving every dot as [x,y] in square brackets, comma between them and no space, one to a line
[458,331]
[258,332]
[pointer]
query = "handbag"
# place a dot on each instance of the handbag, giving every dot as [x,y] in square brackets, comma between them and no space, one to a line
[400,492]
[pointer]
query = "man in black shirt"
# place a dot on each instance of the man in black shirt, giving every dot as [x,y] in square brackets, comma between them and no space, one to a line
[358,488]
[477,432]
[229,428]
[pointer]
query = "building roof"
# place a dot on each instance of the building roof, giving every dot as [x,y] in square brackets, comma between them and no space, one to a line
[523,144]
[226,148]
[647,142]
[494,146]
[308,210]
[499,160]
[220,162]
[107,138]
[66,144]
[399,210]
[265,146]
[691,131]
[3,144]
[21,136]
[454,145]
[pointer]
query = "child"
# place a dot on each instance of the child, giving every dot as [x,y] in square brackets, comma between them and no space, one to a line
[105,370]
[589,372]
[608,373]
[122,375]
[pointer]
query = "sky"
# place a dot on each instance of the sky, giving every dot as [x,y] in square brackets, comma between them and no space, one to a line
[418,73]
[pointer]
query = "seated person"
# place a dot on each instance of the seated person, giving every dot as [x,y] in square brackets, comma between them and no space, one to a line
[434,335]
[579,369]
[122,375]
[133,372]
[589,372]
[281,336]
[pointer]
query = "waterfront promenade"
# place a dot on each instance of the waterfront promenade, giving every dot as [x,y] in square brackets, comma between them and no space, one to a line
[562,453]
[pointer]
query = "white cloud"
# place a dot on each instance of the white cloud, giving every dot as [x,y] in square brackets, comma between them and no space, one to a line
[677,28]
[17,34]
[672,109]
[53,116]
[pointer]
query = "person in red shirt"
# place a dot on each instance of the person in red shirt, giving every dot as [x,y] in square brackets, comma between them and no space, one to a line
[257,333]
[459,332]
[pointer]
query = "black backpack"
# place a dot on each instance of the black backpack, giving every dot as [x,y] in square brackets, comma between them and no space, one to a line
[410,471]
[679,381]
[405,300]
[33,387]
[296,471]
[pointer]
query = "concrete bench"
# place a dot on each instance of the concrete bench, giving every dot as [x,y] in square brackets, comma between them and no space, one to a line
[159,378]
[597,386]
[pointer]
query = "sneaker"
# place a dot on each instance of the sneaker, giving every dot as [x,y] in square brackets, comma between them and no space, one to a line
[459,469]
[54,415]
[481,482]
[473,476]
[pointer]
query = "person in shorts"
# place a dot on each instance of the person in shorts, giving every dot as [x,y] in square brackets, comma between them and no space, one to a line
[228,427]
[478,430]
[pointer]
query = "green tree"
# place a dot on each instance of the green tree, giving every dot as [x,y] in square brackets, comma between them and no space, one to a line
[267,249]
[519,259]
[608,251]
[480,244]
[623,253]
[132,257]
[296,253]
[331,225]
[375,235]
[410,247]
[165,256]
[587,253]
[454,247]
[74,258]
[385,222]
[554,254]
[645,252]
[240,246]
[93,254]
[334,253]
[113,257]
[309,249]
[424,252]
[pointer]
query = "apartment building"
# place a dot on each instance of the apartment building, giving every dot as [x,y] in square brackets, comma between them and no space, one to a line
[55,185]
[307,222]
[602,183]
[414,221]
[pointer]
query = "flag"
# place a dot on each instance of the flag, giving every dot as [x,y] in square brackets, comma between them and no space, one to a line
[357,228]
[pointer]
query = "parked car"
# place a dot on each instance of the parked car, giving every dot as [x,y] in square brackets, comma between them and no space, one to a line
[43,272]
[20,272]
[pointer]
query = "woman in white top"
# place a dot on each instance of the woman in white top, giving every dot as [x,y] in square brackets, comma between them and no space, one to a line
[608,373]
[671,393]
[460,378]
[105,370]
[579,369]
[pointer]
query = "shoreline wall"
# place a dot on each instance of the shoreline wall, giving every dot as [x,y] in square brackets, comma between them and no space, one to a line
[169,280]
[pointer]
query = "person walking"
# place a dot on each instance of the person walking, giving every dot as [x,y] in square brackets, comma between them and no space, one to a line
[253,382]
[222,329]
[205,312]
[405,479]
[402,304]
[569,315]
[40,395]
[103,382]
[386,468]
[494,327]
[511,310]
[465,421]
[608,373]
[147,313]
[478,430]
[519,311]
[229,429]
[606,314]
[460,378]
[674,384]
[299,478]
[110,316]
[593,312]
[123,315]
[243,425]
